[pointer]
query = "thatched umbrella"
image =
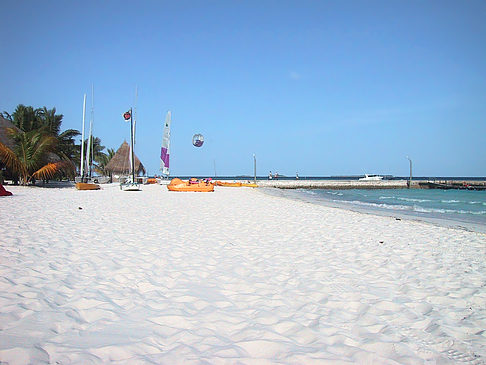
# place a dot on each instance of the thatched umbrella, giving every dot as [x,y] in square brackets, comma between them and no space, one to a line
[120,163]
[5,138]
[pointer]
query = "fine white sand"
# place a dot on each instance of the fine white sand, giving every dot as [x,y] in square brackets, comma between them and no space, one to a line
[231,277]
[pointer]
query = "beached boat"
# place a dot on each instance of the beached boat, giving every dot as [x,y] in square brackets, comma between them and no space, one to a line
[87,186]
[85,182]
[371,178]
[191,185]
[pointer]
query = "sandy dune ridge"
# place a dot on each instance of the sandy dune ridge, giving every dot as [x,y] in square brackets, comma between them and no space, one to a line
[231,277]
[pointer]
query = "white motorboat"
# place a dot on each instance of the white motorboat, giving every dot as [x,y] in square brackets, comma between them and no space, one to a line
[371,178]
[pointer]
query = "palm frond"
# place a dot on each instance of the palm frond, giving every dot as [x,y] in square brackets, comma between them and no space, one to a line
[10,159]
[48,171]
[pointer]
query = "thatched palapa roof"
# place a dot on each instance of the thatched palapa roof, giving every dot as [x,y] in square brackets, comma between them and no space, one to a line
[5,138]
[120,163]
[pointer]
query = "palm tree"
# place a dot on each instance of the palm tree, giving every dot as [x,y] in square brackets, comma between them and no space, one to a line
[97,156]
[28,159]
[104,159]
[50,120]
[66,145]
[26,118]
[48,123]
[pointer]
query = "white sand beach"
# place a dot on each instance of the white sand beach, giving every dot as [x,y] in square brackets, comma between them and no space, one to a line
[231,277]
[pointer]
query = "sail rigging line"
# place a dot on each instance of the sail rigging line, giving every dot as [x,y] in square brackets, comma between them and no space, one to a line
[90,138]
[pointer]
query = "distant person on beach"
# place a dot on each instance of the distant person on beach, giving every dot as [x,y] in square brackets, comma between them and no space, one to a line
[297,176]
[270,176]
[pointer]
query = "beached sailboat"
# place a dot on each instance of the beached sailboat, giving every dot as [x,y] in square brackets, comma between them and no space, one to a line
[165,150]
[131,184]
[85,182]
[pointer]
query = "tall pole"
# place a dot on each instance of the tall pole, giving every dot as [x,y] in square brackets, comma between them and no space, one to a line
[82,140]
[131,141]
[90,138]
[254,168]
[135,115]
[410,181]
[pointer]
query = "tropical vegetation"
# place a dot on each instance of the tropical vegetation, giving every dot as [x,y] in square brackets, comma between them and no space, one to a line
[40,149]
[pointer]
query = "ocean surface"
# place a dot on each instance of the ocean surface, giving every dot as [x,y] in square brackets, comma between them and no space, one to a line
[453,208]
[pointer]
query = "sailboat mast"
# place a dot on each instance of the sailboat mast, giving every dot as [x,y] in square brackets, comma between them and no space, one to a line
[82,140]
[131,145]
[135,114]
[90,157]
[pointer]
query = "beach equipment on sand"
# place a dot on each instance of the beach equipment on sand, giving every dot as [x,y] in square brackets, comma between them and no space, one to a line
[190,185]
[165,150]
[85,183]
[235,184]
[87,186]
[250,185]
[197,140]
[4,192]
[228,184]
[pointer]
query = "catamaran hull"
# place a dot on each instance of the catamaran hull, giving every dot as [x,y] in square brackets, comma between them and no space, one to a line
[130,187]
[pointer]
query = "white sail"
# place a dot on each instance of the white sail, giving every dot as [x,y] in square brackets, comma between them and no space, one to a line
[165,150]
[82,140]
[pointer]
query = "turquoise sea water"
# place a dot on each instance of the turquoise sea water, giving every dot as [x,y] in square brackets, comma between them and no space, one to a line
[452,207]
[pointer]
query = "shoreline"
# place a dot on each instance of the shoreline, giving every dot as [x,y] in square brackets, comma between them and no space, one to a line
[430,218]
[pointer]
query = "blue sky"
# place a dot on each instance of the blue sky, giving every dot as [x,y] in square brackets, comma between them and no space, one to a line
[315,87]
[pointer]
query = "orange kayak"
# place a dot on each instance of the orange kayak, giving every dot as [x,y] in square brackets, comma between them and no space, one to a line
[235,184]
[223,183]
[179,185]
[87,186]
[250,185]
[151,180]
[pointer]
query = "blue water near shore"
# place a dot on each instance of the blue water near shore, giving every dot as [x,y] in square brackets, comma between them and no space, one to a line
[459,208]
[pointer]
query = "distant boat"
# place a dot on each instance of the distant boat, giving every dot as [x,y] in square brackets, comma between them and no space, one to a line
[371,178]
[165,150]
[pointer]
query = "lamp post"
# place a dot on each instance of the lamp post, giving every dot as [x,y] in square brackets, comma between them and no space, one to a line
[254,168]
[410,181]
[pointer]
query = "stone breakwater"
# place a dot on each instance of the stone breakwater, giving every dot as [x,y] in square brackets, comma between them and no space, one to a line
[336,184]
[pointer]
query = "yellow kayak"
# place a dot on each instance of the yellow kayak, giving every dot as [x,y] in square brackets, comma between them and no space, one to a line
[87,186]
